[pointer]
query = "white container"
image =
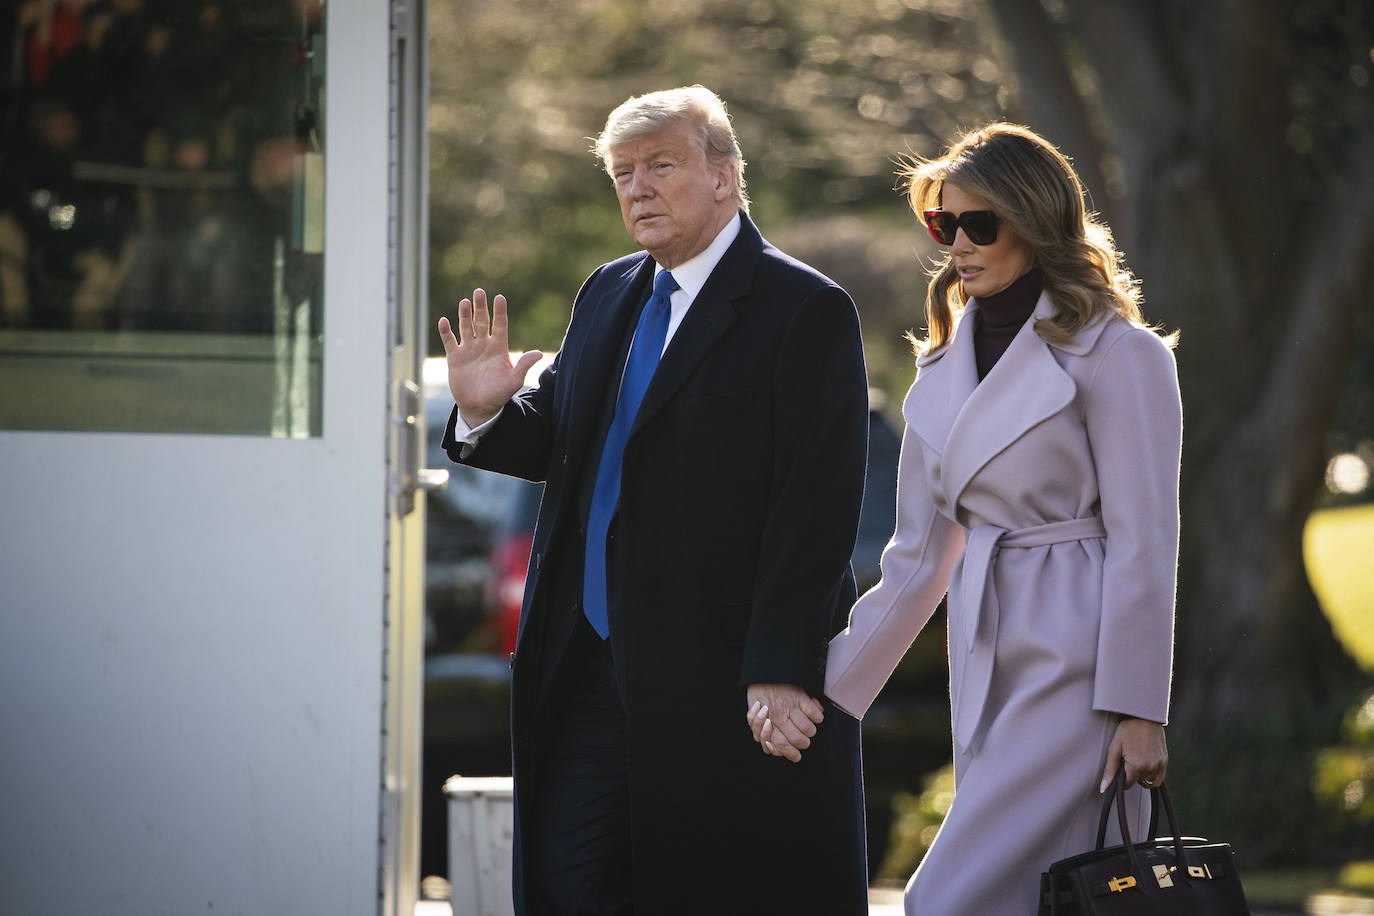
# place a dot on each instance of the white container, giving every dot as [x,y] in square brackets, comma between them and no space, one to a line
[481,832]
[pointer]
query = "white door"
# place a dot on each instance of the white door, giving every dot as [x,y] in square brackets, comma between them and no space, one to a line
[209,583]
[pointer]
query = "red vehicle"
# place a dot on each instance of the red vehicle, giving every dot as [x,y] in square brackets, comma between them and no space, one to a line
[510,558]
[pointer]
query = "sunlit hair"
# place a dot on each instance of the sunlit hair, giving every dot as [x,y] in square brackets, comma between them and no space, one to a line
[1036,195]
[695,106]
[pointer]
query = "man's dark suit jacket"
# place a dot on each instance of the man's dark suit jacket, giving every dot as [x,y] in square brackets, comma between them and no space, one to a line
[729,565]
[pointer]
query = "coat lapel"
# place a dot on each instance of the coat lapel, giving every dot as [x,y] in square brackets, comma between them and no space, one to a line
[597,359]
[711,313]
[945,379]
[1026,387]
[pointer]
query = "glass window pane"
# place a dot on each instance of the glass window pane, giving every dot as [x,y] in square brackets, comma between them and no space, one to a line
[162,215]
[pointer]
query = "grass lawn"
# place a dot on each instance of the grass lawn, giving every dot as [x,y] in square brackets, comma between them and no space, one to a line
[1339,548]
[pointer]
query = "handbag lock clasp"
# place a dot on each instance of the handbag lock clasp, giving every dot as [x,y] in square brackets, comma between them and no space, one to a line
[1199,871]
[1162,875]
[1117,885]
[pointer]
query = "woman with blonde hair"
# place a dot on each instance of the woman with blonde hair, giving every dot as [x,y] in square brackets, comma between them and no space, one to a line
[1038,484]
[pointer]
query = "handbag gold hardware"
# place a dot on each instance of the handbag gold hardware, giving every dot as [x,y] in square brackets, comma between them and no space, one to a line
[1206,881]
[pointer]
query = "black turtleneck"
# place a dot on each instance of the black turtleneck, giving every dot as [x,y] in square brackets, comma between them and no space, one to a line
[1000,316]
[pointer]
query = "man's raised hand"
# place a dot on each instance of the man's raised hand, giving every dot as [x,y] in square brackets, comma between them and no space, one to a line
[481,376]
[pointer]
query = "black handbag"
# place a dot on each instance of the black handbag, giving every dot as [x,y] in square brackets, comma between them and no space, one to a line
[1175,875]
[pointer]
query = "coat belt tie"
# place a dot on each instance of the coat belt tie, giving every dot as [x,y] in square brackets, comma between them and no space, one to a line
[981,612]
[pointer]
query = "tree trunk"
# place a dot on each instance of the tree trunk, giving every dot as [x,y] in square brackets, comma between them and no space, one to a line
[1264,477]
[1053,103]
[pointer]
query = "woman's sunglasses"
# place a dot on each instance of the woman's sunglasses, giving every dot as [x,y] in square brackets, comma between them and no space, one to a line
[979,225]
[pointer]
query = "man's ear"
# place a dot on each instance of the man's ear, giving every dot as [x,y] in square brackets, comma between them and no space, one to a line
[725,182]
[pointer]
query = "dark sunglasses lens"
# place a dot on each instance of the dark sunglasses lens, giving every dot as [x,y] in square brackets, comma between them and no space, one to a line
[942,226]
[980,226]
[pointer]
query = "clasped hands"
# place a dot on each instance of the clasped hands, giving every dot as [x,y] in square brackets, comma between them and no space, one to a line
[783,718]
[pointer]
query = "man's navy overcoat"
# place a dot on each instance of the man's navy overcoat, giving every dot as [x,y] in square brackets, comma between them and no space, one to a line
[729,565]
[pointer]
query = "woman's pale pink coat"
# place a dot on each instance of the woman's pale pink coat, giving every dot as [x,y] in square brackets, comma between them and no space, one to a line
[1045,500]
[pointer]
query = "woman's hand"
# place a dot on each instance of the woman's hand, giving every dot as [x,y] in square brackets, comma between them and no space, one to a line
[1140,744]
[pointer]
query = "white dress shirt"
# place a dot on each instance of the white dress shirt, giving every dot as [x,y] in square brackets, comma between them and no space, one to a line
[691,275]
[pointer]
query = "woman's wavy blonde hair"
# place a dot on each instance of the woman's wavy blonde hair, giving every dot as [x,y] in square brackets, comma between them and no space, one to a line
[1036,194]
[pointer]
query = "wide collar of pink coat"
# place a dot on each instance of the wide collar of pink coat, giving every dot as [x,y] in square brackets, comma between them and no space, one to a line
[969,423]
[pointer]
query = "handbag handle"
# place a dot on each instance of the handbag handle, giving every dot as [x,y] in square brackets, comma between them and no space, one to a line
[1117,793]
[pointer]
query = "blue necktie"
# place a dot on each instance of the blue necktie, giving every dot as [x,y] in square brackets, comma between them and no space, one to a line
[639,369]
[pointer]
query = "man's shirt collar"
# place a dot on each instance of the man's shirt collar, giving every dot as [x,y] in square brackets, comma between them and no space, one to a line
[691,275]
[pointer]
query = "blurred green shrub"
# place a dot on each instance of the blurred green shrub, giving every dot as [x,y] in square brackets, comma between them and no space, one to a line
[1242,783]
[916,818]
[1344,778]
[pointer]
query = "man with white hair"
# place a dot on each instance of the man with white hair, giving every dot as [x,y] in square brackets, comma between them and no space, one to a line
[702,436]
